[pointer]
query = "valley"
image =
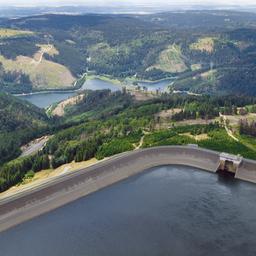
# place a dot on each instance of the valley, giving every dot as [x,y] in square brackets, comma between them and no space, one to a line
[53,51]
[98,124]
[127,133]
[89,87]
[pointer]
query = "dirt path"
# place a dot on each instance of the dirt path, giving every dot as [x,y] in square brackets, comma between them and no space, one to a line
[141,143]
[41,54]
[229,132]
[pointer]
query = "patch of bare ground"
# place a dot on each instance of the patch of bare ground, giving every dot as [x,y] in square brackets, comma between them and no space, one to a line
[168,113]
[195,121]
[205,44]
[43,73]
[142,96]
[164,118]
[233,120]
[59,110]
[198,137]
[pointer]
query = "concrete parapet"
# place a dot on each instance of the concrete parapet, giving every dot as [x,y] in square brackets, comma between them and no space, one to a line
[71,186]
[247,171]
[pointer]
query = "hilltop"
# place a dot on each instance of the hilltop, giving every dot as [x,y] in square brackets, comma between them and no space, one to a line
[210,51]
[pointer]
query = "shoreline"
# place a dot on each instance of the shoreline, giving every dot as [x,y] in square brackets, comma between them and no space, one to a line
[72,186]
[115,81]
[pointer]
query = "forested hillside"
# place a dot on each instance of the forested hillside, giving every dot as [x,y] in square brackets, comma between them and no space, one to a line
[20,122]
[106,123]
[209,51]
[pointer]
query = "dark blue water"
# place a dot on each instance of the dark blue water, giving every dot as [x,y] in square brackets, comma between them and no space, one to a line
[97,84]
[44,100]
[165,211]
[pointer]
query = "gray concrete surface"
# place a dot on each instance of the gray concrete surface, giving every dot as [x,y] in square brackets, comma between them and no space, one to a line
[67,188]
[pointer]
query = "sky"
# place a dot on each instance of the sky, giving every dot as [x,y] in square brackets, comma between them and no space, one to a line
[123,2]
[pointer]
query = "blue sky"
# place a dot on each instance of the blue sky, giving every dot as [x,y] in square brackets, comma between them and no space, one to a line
[120,2]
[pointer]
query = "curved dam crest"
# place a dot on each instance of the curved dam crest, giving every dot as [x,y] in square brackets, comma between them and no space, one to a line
[62,190]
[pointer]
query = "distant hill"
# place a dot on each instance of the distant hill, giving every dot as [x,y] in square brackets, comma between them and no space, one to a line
[51,51]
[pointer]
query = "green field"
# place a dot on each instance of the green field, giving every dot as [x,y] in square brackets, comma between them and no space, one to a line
[171,60]
[204,44]
[6,33]
[43,73]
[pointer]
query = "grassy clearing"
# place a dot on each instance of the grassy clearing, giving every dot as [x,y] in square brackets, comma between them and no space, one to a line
[44,74]
[195,67]
[220,141]
[48,48]
[170,60]
[200,83]
[199,137]
[249,141]
[108,79]
[7,33]
[206,136]
[205,44]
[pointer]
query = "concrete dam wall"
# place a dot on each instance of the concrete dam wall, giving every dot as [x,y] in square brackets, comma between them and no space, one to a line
[247,171]
[67,188]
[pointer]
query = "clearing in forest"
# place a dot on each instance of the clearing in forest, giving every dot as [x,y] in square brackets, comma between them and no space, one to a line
[43,73]
[6,33]
[171,60]
[205,44]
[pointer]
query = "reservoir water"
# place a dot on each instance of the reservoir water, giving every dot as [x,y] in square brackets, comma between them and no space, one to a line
[44,100]
[167,210]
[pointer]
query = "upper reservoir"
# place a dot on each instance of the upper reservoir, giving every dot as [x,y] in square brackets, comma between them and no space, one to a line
[168,210]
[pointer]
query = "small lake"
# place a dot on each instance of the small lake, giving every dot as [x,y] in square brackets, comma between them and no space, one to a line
[46,99]
[98,84]
[43,100]
[167,210]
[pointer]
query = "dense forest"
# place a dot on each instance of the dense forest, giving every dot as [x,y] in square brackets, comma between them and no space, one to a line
[19,123]
[216,56]
[15,81]
[105,123]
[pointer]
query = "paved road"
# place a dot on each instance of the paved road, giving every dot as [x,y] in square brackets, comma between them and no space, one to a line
[34,147]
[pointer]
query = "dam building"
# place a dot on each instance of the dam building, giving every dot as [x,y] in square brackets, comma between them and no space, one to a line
[229,162]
